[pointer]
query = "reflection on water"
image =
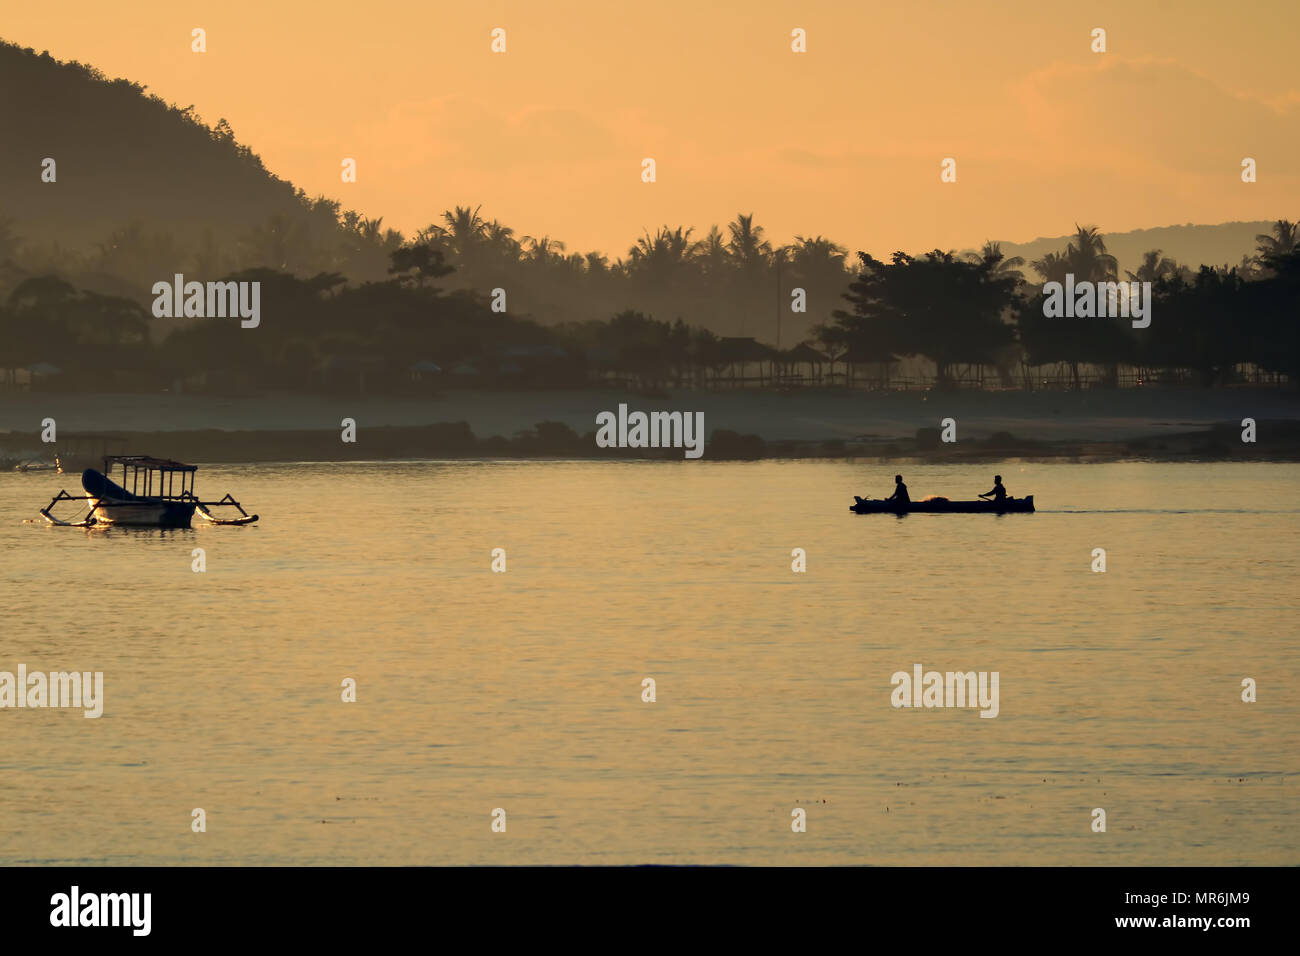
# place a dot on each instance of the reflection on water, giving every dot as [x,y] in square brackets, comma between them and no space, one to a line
[523,690]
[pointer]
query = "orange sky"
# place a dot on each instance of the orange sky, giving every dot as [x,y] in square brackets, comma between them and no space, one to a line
[844,140]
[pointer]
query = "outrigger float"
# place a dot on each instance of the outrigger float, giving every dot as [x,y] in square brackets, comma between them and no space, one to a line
[160,495]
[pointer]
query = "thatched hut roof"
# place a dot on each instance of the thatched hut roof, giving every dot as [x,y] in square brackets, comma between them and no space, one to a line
[803,352]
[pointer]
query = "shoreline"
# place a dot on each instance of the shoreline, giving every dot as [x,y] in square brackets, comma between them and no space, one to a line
[1279,441]
[1094,425]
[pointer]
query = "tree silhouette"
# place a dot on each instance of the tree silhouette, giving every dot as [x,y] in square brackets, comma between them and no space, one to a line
[422,260]
[463,229]
[1154,268]
[944,308]
[1281,242]
[1075,340]
[1087,256]
[999,264]
[747,247]
[1284,239]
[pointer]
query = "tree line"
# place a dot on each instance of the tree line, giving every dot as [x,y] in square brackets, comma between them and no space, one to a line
[433,309]
[981,310]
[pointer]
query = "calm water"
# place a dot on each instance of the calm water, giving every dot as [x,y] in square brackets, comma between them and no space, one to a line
[523,690]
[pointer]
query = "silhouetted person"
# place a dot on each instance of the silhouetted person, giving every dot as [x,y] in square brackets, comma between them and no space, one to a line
[900,492]
[998,492]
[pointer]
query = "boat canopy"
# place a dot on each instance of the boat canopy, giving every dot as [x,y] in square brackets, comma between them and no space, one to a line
[152,477]
[145,461]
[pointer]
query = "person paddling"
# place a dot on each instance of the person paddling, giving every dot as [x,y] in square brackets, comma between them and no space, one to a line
[900,492]
[998,493]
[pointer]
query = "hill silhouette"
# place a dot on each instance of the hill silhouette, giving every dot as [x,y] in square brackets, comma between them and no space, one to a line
[122,155]
[145,189]
[1190,244]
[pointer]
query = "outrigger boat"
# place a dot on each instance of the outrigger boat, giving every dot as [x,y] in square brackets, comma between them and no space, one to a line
[161,495]
[938,505]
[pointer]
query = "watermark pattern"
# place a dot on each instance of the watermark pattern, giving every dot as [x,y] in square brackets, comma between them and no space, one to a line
[74,908]
[655,430]
[931,689]
[1087,299]
[215,300]
[84,689]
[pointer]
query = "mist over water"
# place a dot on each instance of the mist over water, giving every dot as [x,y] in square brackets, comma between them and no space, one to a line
[523,690]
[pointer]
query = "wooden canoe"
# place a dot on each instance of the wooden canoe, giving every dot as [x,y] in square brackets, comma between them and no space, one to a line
[868,506]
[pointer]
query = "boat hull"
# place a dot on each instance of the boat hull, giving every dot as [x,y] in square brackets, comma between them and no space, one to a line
[1010,506]
[110,503]
[143,513]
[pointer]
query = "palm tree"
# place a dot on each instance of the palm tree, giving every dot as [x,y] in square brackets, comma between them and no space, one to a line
[680,246]
[1284,239]
[371,229]
[432,233]
[544,249]
[1052,267]
[817,255]
[712,252]
[1153,268]
[999,265]
[464,228]
[747,246]
[664,253]
[500,238]
[1089,260]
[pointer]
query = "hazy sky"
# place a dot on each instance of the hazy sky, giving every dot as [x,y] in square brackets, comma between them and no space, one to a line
[844,140]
